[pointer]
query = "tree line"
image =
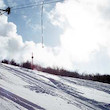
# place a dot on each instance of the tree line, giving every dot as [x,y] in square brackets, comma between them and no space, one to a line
[60,71]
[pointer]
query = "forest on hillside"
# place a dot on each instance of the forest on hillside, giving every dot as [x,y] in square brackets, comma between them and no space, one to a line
[60,71]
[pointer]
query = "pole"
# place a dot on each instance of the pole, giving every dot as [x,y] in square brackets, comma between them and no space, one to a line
[42,23]
[32,62]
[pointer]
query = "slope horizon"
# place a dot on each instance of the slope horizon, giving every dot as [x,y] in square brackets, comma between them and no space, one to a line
[61,71]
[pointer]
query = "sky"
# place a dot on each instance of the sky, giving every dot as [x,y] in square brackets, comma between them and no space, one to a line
[76,34]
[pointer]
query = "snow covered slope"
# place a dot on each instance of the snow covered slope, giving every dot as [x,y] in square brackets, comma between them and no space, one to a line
[23,89]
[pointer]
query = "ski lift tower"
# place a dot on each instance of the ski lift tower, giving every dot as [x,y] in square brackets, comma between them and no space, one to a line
[7,10]
[32,62]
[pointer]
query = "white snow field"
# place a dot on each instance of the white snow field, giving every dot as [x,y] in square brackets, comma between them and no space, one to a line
[23,89]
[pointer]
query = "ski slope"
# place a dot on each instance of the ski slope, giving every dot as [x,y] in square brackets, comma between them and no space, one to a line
[23,89]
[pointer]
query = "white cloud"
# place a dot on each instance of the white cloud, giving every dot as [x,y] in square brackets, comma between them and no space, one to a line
[7,29]
[2,5]
[84,28]
[13,47]
[29,23]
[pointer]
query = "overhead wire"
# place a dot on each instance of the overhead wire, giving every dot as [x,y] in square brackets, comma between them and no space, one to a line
[2,13]
[42,6]
[14,6]
[7,10]
[42,23]
[17,7]
[34,5]
[28,6]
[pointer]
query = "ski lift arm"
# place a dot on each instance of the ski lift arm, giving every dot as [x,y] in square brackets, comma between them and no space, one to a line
[7,10]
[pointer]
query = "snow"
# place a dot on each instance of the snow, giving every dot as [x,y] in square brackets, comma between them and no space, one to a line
[6,104]
[91,93]
[30,89]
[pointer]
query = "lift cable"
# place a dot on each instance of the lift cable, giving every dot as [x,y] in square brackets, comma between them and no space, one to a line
[8,10]
[21,5]
[34,5]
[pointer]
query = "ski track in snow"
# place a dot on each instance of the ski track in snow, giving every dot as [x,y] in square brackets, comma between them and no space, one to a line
[19,100]
[66,93]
